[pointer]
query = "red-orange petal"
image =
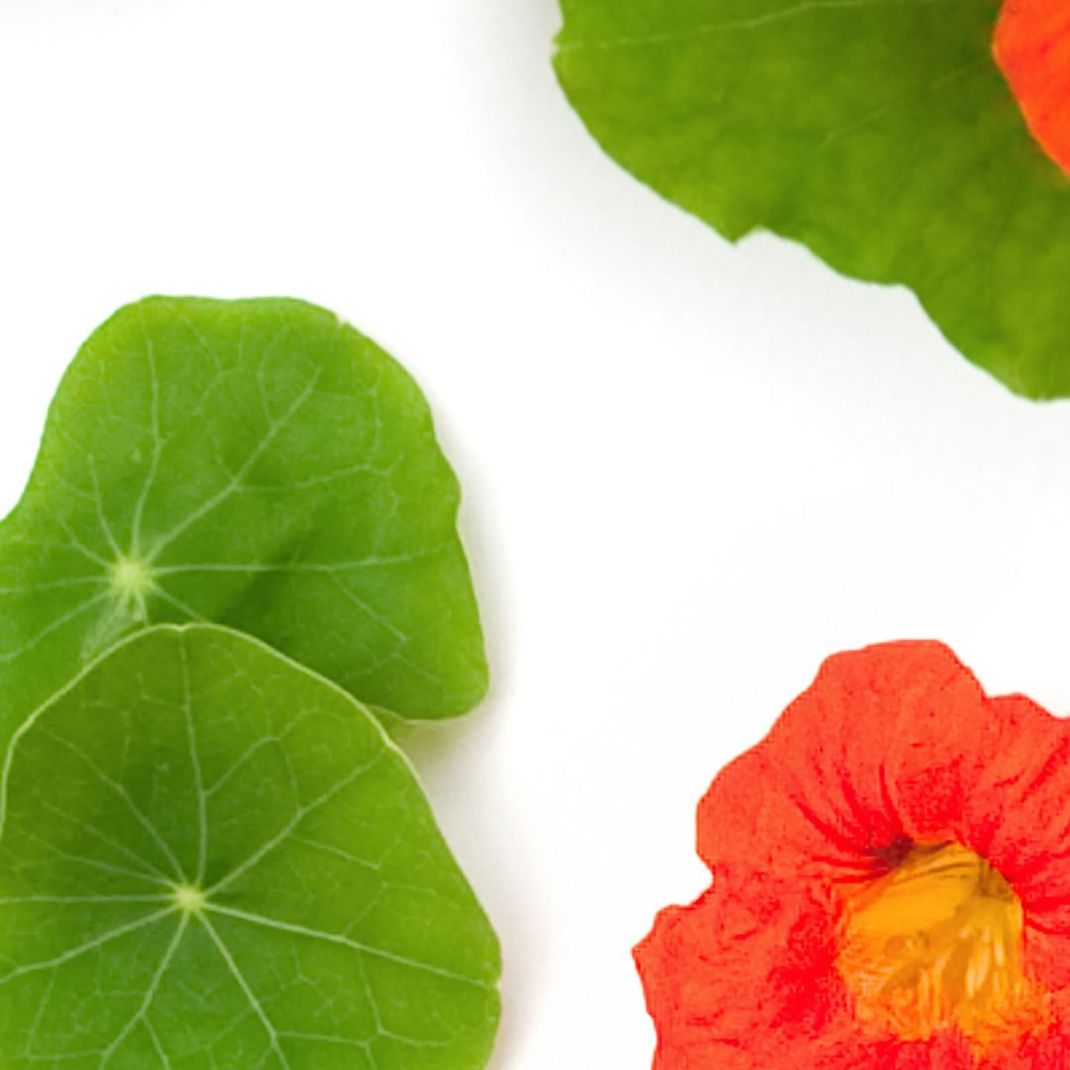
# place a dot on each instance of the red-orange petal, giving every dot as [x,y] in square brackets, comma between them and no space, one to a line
[890,745]
[880,749]
[1032,49]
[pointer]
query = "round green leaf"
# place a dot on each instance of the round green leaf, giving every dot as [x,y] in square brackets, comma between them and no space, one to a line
[880,134]
[254,463]
[211,857]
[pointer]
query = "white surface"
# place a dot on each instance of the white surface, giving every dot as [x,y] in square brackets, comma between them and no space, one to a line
[692,471]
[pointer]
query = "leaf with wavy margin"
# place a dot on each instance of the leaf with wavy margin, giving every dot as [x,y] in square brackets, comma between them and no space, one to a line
[880,133]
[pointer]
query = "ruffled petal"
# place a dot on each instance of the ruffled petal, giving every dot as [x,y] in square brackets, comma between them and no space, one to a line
[881,750]
[1018,813]
[1048,1052]
[738,982]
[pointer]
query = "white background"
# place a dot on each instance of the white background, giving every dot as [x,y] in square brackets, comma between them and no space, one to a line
[691,470]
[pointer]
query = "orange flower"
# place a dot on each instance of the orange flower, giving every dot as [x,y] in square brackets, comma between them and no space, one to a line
[1032,48]
[891,884]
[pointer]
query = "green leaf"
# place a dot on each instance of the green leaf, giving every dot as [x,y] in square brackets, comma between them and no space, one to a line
[212,857]
[254,463]
[880,133]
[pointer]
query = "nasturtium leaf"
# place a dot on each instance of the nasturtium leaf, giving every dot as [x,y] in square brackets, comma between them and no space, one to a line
[212,857]
[880,133]
[254,463]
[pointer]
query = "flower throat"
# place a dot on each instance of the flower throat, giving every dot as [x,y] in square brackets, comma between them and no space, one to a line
[935,944]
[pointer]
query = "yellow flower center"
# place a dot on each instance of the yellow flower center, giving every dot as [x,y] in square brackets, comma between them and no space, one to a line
[936,944]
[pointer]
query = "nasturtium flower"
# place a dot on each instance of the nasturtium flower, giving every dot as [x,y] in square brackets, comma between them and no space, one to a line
[891,884]
[916,142]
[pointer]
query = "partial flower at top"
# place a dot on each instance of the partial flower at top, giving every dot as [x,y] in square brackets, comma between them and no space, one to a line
[916,142]
[1032,48]
[891,884]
